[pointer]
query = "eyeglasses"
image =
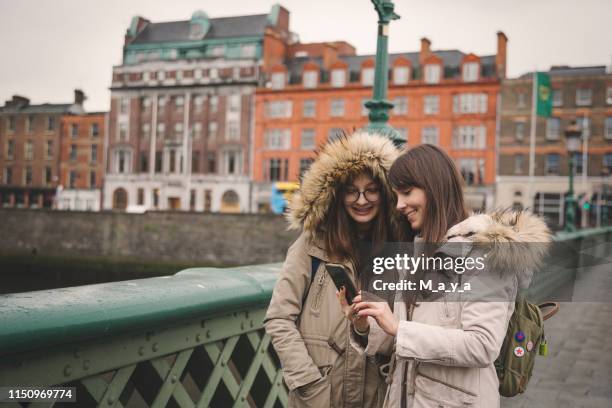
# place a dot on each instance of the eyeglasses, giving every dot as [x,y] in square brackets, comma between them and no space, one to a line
[352,196]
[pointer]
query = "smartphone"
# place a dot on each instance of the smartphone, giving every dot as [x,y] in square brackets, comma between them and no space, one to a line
[341,279]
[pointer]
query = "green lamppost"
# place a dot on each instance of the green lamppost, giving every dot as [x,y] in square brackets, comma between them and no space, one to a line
[572,140]
[379,105]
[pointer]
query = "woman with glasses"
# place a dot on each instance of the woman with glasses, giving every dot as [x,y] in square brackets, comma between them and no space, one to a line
[344,204]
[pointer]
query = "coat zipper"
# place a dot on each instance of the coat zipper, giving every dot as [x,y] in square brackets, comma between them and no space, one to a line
[319,292]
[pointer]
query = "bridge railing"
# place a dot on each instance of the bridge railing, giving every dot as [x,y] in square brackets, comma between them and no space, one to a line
[192,339]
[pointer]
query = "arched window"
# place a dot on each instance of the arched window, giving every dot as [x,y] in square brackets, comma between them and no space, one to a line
[230,202]
[120,199]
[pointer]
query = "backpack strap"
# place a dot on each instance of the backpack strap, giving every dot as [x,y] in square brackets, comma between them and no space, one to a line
[314,266]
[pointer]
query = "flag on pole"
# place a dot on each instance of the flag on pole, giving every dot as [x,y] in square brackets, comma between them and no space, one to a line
[544,95]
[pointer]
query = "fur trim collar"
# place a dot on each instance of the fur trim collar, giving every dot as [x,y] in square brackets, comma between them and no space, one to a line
[335,163]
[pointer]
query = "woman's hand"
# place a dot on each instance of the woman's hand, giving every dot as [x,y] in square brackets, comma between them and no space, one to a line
[381,312]
[360,322]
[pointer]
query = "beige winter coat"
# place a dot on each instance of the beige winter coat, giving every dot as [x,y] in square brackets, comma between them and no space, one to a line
[444,354]
[304,320]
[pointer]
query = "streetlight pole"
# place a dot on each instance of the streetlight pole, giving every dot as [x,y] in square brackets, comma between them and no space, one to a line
[572,137]
[379,105]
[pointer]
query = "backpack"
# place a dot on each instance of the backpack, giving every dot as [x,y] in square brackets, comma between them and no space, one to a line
[524,340]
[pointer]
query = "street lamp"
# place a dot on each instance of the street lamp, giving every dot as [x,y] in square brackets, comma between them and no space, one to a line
[379,105]
[572,144]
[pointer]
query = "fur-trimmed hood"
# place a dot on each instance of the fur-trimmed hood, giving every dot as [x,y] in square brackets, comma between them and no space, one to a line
[518,240]
[335,164]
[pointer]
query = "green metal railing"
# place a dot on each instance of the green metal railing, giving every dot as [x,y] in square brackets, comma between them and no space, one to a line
[194,339]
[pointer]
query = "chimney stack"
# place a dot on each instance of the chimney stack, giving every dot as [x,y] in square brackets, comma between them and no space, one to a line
[500,57]
[79,97]
[17,102]
[425,50]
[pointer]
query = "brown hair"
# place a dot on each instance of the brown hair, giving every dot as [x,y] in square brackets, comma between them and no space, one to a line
[339,233]
[429,168]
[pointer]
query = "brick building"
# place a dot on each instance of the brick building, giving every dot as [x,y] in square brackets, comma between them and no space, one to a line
[579,93]
[446,97]
[181,116]
[30,141]
[81,161]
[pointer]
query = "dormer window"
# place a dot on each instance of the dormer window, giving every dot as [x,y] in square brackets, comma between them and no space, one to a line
[338,78]
[432,73]
[310,79]
[401,75]
[218,51]
[470,71]
[278,80]
[367,76]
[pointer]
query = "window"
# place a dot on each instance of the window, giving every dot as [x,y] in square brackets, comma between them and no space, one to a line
[143,162]
[470,137]
[232,162]
[92,179]
[94,130]
[607,163]
[49,149]
[72,178]
[211,162]
[521,100]
[155,197]
[123,161]
[94,153]
[30,124]
[311,79]
[334,133]
[309,108]
[278,109]
[195,162]
[212,131]
[277,139]
[401,75]
[557,97]
[278,80]
[197,131]
[48,175]
[248,50]
[28,175]
[400,105]
[305,165]
[158,161]
[234,130]
[124,106]
[608,128]
[430,135]
[337,107]
[432,73]
[552,128]
[431,104]
[8,175]
[146,130]
[578,163]
[307,141]
[367,76]
[469,71]
[213,103]
[123,132]
[161,131]
[179,102]
[179,75]
[11,124]
[364,109]
[584,96]
[519,161]
[609,95]
[140,195]
[338,78]
[198,102]
[10,148]
[50,124]
[470,103]
[472,171]
[192,199]
[74,130]
[146,76]
[277,169]
[234,103]
[161,104]
[178,130]
[73,152]
[519,130]
[28,150]
[552,164]
[161,75]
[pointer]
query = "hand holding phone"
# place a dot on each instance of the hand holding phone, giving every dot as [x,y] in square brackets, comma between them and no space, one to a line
[341,279]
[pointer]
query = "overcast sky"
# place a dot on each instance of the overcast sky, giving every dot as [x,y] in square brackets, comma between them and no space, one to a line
[50,47]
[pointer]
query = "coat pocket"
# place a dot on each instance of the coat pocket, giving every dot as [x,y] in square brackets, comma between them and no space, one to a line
[320,351]
[314,395]
[431,392]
